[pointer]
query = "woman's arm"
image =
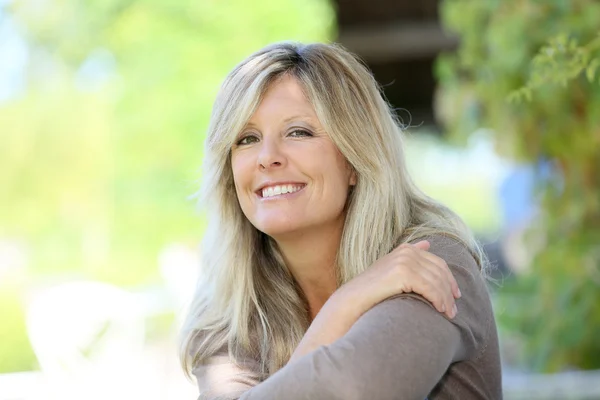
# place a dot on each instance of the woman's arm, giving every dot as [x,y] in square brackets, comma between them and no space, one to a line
[409,268]
[400,348]
[333,372]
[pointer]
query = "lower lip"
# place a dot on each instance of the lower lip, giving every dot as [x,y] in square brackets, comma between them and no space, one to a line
[281,196]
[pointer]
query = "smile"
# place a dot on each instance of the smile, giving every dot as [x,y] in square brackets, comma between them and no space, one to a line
[280,190]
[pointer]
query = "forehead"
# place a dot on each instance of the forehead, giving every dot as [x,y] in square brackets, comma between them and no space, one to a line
[284,98]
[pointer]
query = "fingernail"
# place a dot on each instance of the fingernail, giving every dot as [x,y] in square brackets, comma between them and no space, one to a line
[443,308]
[459,294]
[454,311]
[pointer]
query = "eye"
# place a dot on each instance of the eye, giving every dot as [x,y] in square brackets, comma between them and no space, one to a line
[247,140]
[299,133]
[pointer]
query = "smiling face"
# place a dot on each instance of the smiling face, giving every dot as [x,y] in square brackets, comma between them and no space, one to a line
[289,176]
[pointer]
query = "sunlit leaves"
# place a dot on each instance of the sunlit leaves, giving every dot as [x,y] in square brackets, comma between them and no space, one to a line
[559,62]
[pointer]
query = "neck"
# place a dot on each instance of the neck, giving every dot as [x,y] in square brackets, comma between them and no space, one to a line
[311,258]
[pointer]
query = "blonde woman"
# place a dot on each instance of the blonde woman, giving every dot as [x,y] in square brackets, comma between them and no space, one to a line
[327,274]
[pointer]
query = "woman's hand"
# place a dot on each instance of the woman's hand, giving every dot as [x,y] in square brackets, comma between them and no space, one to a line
[408,268]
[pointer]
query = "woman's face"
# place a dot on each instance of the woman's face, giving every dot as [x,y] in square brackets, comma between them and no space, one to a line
[289,176]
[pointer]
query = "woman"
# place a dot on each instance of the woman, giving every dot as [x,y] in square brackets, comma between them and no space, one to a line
[326,272]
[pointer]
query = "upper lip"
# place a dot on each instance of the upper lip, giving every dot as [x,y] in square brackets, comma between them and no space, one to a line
[267,184]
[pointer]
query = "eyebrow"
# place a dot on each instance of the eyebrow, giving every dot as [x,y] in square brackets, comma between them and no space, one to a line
[300,117]
[305,118]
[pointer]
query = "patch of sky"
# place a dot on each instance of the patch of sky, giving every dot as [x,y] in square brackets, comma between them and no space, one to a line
[95,71]
[14,55]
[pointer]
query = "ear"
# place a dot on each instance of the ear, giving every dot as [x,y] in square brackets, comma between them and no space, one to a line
[352,177]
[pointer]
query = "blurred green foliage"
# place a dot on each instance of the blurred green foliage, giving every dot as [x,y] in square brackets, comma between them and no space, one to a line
[15,351]
[530,71]
[103,147]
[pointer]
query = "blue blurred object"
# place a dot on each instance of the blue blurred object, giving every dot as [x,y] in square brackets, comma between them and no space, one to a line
[517,196]
[518,192]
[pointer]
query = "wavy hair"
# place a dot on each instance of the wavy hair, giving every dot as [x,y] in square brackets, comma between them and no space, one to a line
[247,302]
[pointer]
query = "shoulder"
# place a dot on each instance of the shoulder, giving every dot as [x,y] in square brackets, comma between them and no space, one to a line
[455,252]
[475,317]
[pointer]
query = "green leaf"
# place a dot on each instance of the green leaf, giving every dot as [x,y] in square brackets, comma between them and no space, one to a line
[590,71]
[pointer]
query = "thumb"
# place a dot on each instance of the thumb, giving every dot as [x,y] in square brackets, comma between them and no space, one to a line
[423,245]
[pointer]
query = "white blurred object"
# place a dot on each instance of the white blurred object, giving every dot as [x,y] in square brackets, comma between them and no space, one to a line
[26,385]
[179,267]
[13,257]
[88,338]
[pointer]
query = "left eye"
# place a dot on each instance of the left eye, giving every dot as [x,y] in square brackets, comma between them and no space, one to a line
[299,133]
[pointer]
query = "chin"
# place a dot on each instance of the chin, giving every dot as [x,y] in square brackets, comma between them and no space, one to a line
[276,228]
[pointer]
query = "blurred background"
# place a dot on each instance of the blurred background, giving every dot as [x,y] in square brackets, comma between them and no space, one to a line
[103,111]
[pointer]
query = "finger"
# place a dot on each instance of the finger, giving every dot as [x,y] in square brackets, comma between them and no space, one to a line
[428,282]
[439,282]
[422,245]
[440,287]
[441,263]
[418,279]
[418,252]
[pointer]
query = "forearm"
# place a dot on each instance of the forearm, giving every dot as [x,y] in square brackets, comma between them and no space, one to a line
[333,321]
[401,347]
[220,379]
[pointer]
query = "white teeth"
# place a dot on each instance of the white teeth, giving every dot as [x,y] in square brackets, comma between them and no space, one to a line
[280,189]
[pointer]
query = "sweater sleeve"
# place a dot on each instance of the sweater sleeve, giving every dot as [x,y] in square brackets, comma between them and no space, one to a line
[401,348]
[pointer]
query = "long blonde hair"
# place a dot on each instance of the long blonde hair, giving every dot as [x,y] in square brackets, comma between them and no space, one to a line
[247,301]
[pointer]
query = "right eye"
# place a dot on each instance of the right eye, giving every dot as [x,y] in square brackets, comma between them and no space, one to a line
[247,140]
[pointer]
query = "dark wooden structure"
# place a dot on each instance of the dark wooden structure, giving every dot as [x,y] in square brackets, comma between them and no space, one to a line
[399,40]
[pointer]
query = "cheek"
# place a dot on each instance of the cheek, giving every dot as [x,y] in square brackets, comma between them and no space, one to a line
[240,170]
[241,179]
[343,170]
[336,176]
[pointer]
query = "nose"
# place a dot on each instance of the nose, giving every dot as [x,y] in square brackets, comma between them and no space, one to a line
[270,155]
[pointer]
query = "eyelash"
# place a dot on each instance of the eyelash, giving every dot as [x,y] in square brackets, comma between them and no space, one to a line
[240,142]
[303,131]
